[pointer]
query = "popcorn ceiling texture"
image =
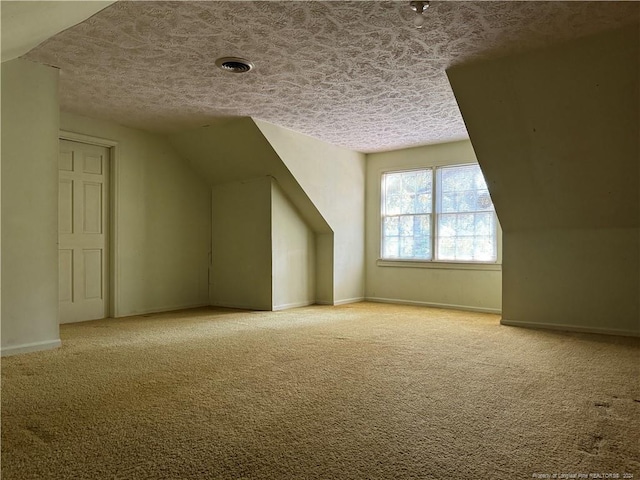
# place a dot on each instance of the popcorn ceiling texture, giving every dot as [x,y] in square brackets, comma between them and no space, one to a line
[354,74]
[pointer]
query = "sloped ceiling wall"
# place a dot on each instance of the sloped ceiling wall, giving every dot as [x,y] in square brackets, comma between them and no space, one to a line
[234,149]
[27,24]
[333,178]
[556,134]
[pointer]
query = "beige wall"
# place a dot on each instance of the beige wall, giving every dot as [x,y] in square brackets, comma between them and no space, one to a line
[556,133]
[29,207]
[241,265]
[232,150]
[293,254]
[325,183]
[162,221]
[333,178]
[263,253]
[25,25]
[422,284]
[324,268]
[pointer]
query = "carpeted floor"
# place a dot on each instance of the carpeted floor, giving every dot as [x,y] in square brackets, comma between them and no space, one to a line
[362,391]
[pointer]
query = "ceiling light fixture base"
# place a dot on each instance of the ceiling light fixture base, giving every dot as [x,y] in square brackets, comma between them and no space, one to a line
[419,8]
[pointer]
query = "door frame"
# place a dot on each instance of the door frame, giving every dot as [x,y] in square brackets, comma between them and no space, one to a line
[112,294]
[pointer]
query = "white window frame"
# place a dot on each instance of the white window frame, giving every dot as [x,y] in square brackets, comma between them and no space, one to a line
[433,263]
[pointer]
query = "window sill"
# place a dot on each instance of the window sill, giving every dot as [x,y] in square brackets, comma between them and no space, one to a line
[439,265]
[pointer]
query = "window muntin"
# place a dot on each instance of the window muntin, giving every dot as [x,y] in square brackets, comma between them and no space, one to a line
[464,227]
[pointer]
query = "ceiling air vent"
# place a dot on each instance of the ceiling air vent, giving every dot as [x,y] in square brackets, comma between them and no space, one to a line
[234,64]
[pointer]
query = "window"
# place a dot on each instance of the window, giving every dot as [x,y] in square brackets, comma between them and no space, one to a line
[443,214]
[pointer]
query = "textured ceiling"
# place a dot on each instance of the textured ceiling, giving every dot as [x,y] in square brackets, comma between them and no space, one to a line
[355,74]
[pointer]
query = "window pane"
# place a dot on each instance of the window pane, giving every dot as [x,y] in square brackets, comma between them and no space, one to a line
[409,182]
[457,179]
[422,225]
[465,222]
[391,227]
[423,203]
[448,202]
[392,204]
[485,224]
[466,227]
[446,248]
[414,240]
[424,181]
[484,201]
[463,189]
[467,201]
[484,248]
[407,192]
[447,225]
[407,204]
[406,225]
[464,248]
[406,221]
[393,181]
[390,247]
[467,237]
[422,247]
[406,247]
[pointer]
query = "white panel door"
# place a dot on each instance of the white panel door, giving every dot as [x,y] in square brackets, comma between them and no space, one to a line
[82,231]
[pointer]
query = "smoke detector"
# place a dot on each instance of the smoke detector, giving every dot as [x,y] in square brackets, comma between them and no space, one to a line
[234,64]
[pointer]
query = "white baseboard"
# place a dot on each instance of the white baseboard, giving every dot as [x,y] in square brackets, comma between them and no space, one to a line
[287,306]
[30,347]
[570,328]
[236,306]
[349,300]
[162,310]
[466,308]
[340,302]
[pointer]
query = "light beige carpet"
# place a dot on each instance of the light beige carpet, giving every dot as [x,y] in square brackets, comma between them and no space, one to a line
[363,391]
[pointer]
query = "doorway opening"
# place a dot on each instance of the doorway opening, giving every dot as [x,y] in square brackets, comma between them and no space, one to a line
[85,228]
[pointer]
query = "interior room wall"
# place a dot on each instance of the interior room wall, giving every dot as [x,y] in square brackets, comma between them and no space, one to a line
[293,254]
[233,150]
[334,179]
[162,221]
[471,289]
[324,269]
[30,123]
[241,259]
[556,133]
